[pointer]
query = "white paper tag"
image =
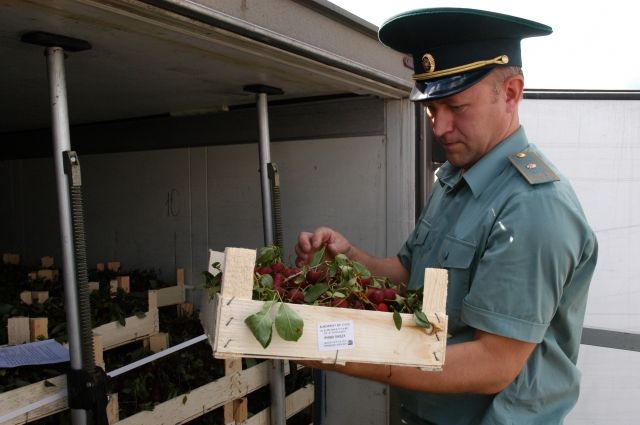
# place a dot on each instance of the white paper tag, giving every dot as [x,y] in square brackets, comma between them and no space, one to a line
[335,336]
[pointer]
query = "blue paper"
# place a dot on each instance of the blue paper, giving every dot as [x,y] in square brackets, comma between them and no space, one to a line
[33,353]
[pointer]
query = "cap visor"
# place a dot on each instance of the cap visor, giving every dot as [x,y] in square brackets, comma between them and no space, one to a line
[444,87]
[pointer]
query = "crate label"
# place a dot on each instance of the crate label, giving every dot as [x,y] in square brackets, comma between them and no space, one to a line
[335,336]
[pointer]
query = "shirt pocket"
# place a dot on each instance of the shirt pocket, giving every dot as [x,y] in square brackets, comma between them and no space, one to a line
[456,255]
[421,232]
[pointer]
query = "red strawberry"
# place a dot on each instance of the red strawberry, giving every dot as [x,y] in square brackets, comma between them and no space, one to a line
[278,267]
[364,281]
[390,294]
[339,302]
[357,304]
[295,296]
[375,295]
[290,271]
[278,279]
[382,307]
[313,276]
[264,270]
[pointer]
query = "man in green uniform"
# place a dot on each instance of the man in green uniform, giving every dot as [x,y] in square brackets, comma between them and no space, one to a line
[504,223]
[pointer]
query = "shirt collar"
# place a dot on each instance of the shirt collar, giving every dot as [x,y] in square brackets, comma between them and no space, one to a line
[487,168]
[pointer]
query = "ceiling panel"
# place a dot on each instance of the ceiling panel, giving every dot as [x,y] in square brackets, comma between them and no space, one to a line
[143,62]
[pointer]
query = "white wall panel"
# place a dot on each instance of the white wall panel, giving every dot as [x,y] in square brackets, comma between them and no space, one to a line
[596,144]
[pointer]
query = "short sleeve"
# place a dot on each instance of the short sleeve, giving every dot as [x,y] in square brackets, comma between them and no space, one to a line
[533,245]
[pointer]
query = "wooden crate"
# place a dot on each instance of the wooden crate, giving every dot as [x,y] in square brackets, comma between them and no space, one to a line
[376,339]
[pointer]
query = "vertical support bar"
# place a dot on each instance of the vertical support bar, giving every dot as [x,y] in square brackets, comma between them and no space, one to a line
[61,143]
[265,159]
[276,382]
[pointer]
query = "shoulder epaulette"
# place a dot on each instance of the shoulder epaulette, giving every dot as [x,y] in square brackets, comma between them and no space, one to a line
[532,167]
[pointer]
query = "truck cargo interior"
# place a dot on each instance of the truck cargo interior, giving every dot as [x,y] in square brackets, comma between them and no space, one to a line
[177,111]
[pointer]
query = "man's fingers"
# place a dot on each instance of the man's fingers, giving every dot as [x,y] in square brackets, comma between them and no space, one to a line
[320,237]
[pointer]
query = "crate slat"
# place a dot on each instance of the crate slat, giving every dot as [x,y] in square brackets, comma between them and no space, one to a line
[376,340]
[170,295]
[114,334]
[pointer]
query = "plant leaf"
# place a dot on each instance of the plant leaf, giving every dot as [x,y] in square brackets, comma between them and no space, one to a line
[268,255]
[341,259]
[421,319]
[313,292]
[261,324]
[360,269]
[288,324]
[266,280]
[317,257]
[397,319]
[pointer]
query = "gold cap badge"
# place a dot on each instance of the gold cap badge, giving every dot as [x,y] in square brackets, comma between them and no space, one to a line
[428,63]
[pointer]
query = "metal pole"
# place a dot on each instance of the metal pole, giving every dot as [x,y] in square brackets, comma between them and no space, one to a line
[265,159]
[61,143]
[276,381]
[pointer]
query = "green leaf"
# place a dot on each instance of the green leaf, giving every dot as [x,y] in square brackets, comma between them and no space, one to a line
[250,362]
[360,269]
[6,309]
[266,280]
[317,257]
[184,400]
[346,270]
[421,319]
[261,324]
[313,292]
[397,319]
[338,294]
[341,259]
[268,255]
[49,384]
[288,324]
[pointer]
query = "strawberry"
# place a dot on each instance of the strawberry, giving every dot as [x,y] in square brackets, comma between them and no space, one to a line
[382,307]
[313,276]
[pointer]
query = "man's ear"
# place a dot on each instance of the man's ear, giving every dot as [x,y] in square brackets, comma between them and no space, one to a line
[513,89]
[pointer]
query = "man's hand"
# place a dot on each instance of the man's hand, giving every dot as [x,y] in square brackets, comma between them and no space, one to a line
[310,242]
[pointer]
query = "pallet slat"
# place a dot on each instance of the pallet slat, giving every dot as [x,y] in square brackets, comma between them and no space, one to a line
[187,407]
[11,401]
[293,403]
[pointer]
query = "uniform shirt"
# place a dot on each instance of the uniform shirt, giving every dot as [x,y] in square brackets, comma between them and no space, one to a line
[520,258]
